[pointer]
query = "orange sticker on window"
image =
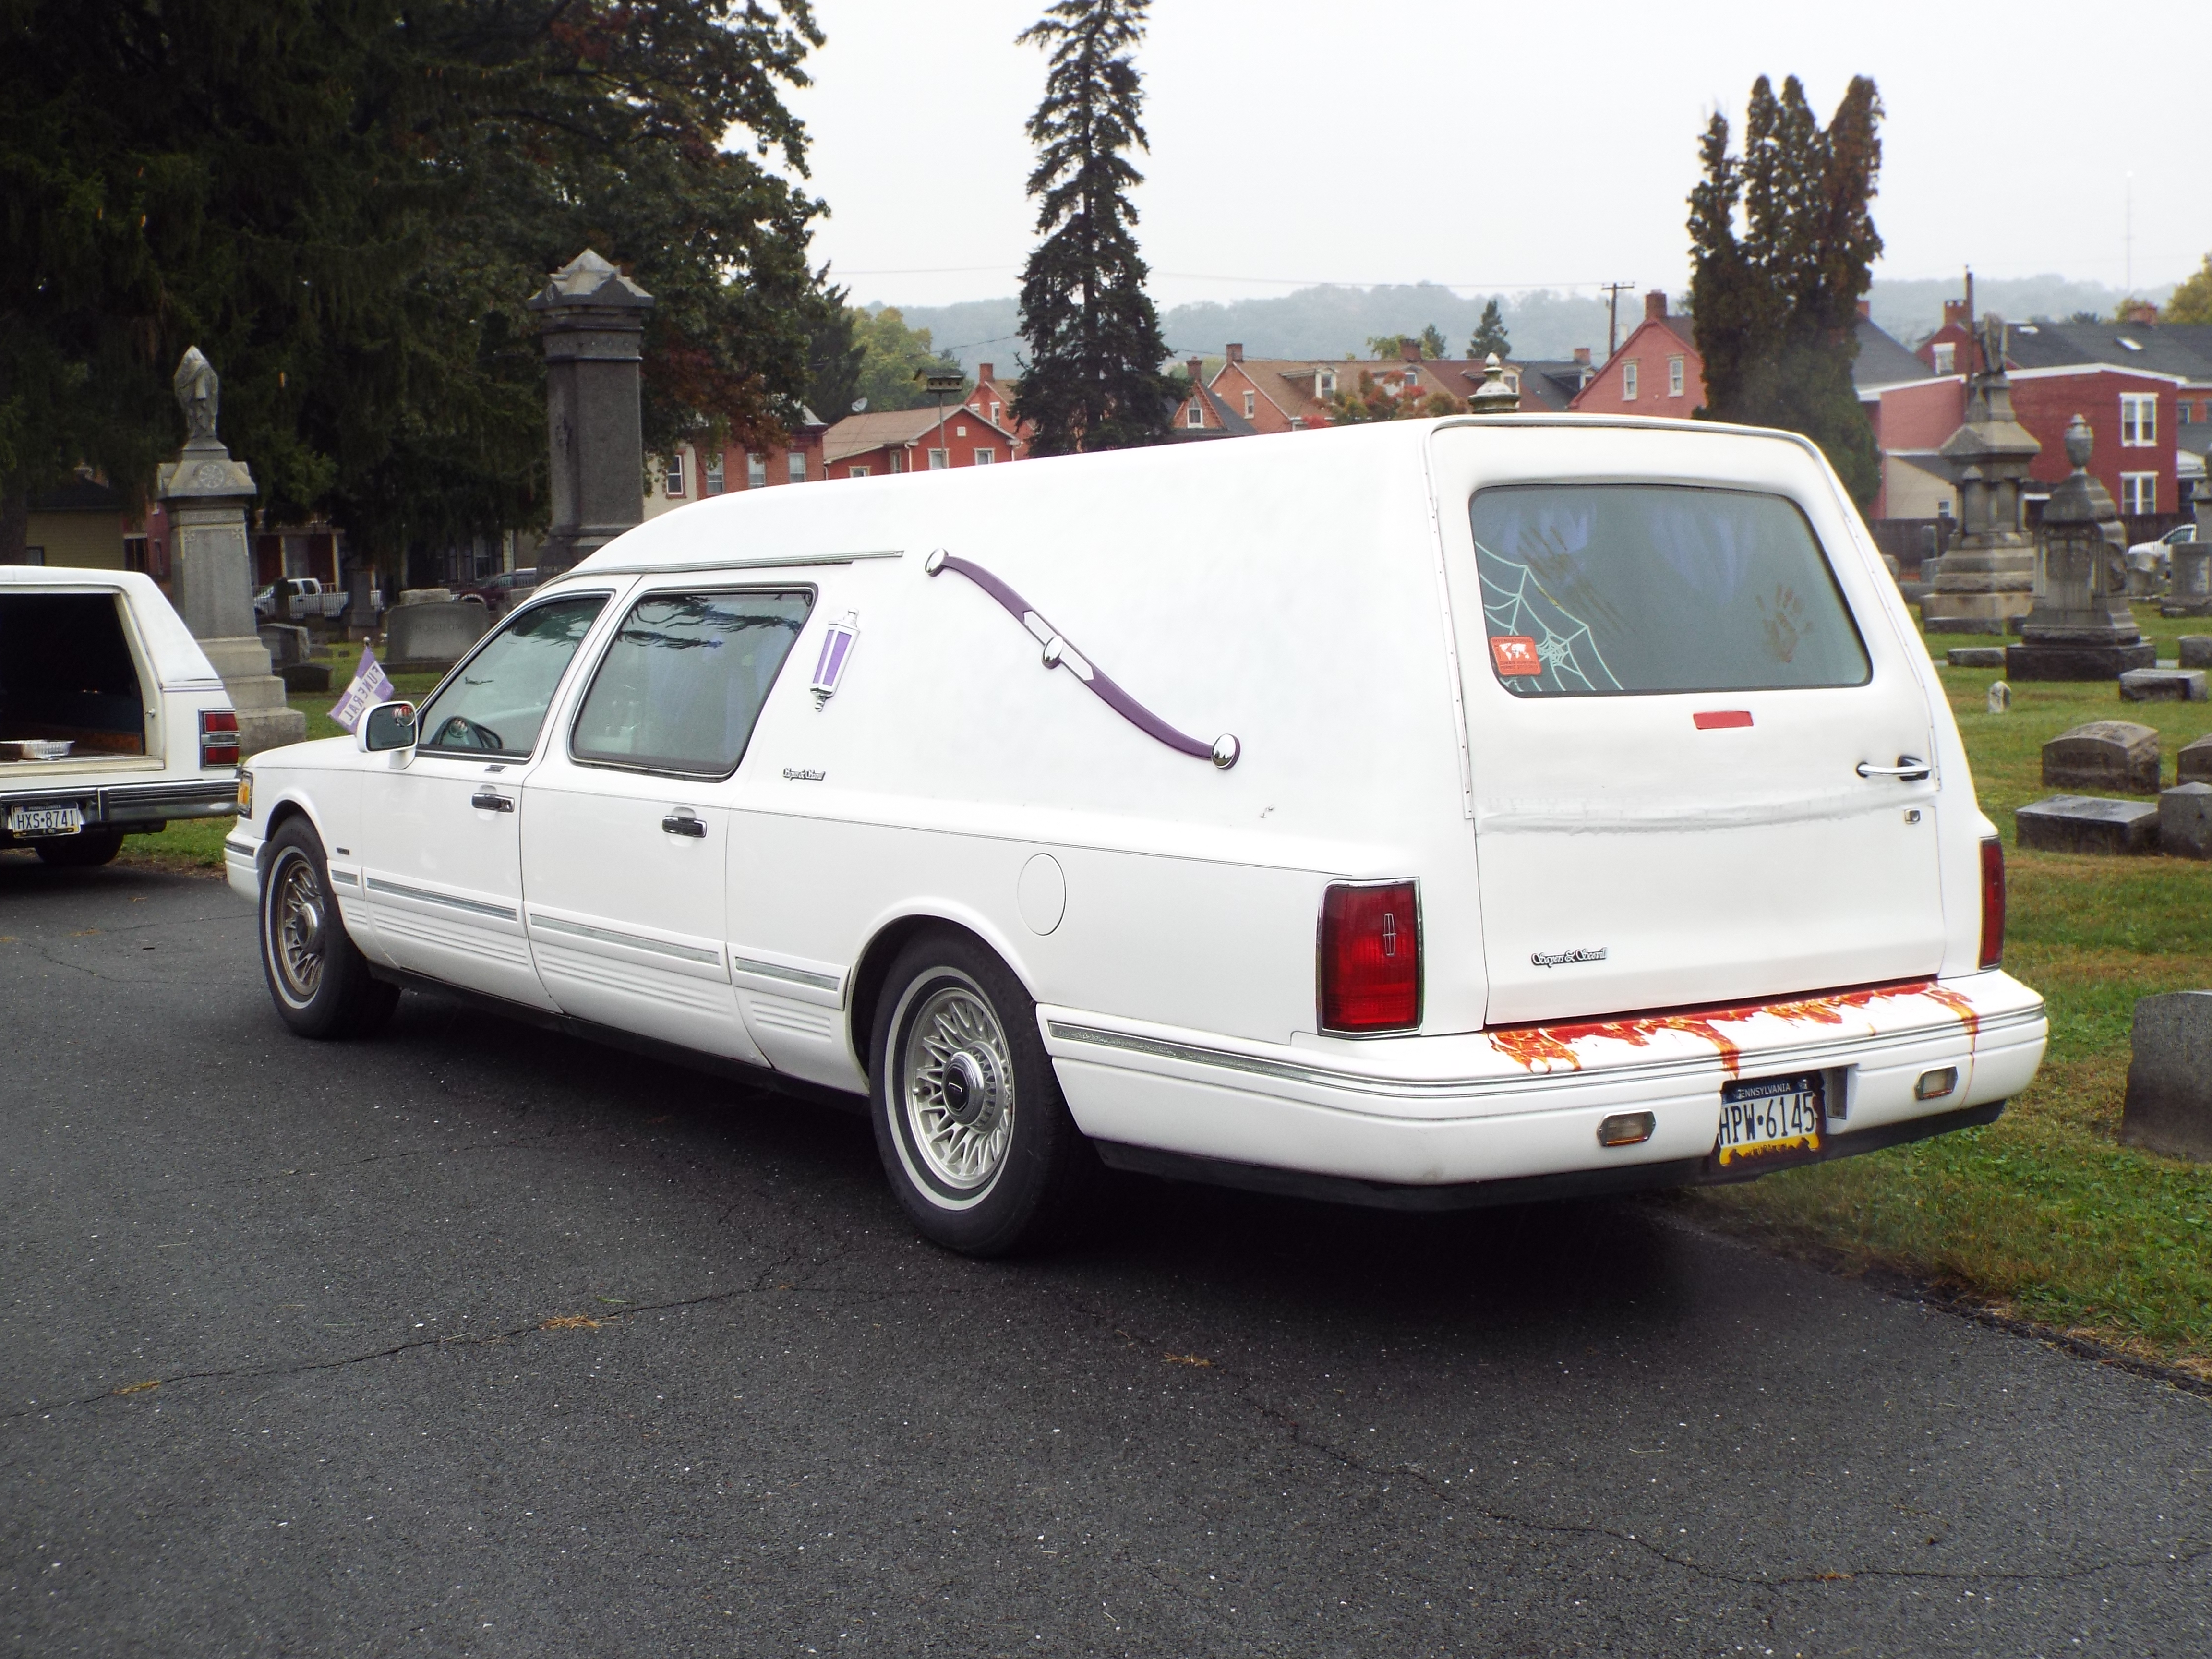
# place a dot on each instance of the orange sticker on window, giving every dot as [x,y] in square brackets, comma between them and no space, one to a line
[1516,653]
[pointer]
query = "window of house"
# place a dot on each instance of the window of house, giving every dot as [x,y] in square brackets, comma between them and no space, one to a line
[2138,493]
[2138,419]
[1328,383]
[994,413]
[1946,356]
[2182,418]
[895,461]
[756,471]
[939,459]
[684,679]
[675,477]
[959,431]
[857,470]
[710,470]
[1628,382]
[795,465]
[1196,415]
[1674,377]
[985,457]
[1251,404]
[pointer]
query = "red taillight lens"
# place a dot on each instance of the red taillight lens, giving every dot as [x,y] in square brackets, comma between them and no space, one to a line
[1370,957]
[1993,903]
[218,738]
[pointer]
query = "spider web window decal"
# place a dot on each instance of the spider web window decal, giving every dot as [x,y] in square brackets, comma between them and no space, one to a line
[1515,605]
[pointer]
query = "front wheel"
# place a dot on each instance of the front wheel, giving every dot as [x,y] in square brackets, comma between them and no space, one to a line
[969,1120]
[317,975]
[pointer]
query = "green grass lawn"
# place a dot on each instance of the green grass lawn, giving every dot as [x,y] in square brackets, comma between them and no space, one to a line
[2042,1216]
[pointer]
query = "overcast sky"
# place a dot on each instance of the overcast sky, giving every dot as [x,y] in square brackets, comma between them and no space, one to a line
[1501,146]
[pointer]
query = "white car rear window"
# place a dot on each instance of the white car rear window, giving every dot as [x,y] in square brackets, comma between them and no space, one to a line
[1599,590]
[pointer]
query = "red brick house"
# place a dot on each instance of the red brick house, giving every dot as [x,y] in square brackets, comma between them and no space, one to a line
[696,471]
[884,441]
[1656,371]
[993,400]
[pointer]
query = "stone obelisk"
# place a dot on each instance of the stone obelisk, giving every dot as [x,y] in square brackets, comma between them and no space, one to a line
[591,321]
[207,495]
[2081,628]
[1987,579]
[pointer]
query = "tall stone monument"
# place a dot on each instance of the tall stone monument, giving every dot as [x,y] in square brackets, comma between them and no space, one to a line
[2189,593]
[2080,628]
[1987,578]
[206,494]
[591,321]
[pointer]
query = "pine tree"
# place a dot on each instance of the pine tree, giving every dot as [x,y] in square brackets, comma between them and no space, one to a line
[1776,306]
[1432,341]
[1093,380]
[1490,334]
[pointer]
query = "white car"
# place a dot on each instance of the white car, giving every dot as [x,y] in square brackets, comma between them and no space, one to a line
[113,721]
[1424,814]
[2155,558]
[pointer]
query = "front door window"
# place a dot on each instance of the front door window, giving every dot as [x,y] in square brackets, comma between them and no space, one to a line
[496,703]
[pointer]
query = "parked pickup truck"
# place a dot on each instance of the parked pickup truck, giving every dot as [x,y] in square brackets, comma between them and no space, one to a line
[306,598]
[111,719]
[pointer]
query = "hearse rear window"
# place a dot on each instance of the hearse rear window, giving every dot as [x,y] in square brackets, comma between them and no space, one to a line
[684,680]
[1598,590]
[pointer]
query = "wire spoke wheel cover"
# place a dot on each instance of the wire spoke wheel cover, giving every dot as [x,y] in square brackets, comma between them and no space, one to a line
[956,1087]
[295,920]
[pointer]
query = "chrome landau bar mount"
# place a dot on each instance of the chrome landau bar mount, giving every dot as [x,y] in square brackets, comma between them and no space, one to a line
[1060,654]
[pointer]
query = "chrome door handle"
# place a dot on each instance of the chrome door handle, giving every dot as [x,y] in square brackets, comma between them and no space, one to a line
[683,824]
[485,801]
[1910,767]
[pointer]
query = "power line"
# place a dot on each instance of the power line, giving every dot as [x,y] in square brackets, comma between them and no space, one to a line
[1270,281]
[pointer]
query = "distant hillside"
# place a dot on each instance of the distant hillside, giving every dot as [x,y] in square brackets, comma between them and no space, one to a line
[1331,322]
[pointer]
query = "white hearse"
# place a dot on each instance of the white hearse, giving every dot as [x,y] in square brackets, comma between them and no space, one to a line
[1424,814]
[111,719]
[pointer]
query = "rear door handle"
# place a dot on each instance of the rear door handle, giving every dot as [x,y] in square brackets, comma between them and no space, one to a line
[1910,767]
[684,823]
[485,801]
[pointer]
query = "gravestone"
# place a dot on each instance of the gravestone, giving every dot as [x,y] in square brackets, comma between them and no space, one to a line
[2197,651]
[2194,764]
[433,635]
[2000,697]
[2163,685]
[287,643]
[206,494]
[2087,824]
[1494,397]
[2103,755]
[2189,591]
[304,676]
[2184,820]
[2081,628]
[591,321]
[426,596]
[2169,1101]
[1975,656]
[1987,579]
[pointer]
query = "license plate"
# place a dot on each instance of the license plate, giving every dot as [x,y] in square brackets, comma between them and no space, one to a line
[44,820]
[1771,1118]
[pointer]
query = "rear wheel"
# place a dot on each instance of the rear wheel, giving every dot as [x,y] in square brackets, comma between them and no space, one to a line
[317,975]
[969,1120]
[83,851]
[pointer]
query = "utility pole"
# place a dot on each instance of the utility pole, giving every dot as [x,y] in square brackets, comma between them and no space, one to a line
[1613,291]
[941,386]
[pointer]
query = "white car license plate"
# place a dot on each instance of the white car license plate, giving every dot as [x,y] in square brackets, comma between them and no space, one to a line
[45,820]
[1771,1117]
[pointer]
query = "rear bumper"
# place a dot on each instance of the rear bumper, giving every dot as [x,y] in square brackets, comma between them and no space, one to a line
[131,806]
[1524,1104]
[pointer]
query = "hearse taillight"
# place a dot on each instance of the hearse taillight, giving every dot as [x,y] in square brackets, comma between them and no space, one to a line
[218,738]
[1993,903]
[1370,957]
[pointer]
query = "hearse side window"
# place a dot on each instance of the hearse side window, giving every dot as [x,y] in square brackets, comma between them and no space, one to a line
[684,680]
[1598,590]
[496,702]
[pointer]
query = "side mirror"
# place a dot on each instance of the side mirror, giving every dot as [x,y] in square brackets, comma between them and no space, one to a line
[387,725]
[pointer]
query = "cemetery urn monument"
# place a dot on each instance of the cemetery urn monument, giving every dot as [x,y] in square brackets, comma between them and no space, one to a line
[206,494]
[1987,579]
[591,323]
[2079,627]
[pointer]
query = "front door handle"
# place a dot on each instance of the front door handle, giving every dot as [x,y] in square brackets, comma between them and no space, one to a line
[485,800]
[1910,768]
[684,823]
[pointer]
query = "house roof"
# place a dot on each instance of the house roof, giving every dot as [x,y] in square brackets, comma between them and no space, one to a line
[1233,425]
[2178,350]
[79,494]
[1884,360]
[1547,383]
[881,429]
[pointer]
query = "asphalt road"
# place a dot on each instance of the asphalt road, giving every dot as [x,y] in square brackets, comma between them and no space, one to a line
[476,1340]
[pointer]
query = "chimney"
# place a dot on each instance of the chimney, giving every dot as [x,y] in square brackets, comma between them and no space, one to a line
[1197,368]
[1655,305]
[1954,314]
[1866,309]
[983,373]
[1235,352]
[2142,312]
[1409,350]
[1581,355]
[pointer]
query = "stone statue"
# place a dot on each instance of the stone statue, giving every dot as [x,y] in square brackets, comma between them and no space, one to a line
[1993,345]
[199,394]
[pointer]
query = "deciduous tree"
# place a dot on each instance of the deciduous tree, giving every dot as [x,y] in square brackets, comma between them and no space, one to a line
[2192,301]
